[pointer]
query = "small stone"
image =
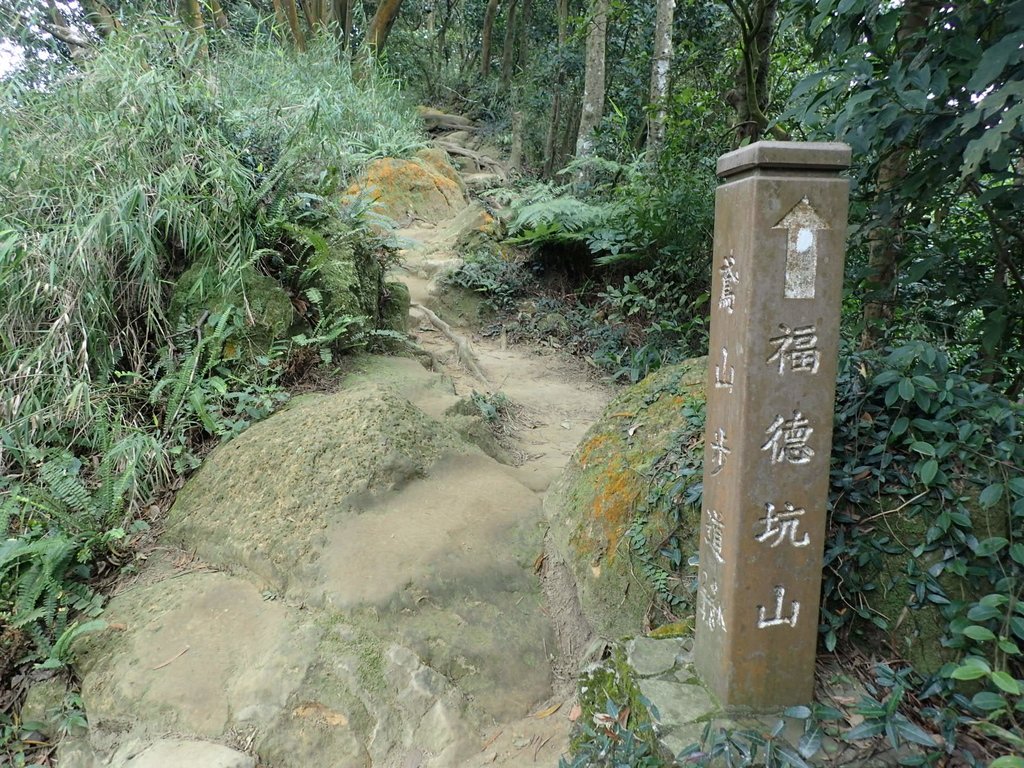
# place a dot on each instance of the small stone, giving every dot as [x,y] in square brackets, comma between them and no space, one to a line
[650,657]
[677,704]
[43,705]
[679,739]
[173,753]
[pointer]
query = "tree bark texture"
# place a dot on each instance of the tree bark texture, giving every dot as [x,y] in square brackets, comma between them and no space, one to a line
[885,243]
[661,63]
[219,17]
[192,13]
[749,97]
[593,82]
[380,25]
[292,13]
[485,37]
[508,48]
[524,35]
[551,145]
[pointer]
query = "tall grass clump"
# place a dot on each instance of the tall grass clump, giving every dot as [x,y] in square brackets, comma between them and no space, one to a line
[116,178]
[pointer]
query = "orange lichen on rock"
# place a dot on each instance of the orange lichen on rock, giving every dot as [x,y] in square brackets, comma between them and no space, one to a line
[612,507]
[426,187]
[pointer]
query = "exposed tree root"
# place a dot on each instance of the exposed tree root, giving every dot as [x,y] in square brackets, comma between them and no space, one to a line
[482,161]
[463,349]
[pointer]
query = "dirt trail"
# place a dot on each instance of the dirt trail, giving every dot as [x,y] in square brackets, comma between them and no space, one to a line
[557,399]
[560,396]
[371,599]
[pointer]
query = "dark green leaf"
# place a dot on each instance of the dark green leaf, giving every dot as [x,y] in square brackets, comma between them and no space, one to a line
[992,494]
[979,633]
[988,701]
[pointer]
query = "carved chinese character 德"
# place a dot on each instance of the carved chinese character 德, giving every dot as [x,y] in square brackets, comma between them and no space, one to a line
[787,440]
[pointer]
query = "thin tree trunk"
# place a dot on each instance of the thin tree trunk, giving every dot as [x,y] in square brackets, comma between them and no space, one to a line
[660,65]
[298,36]
[593,81]
[508,47]
[192,12]
[380,25]
[749,97]
[347,24]
[309,10]
[550,147]
[280,22]
[571,133]
[515,159]
[885,244]
[524,34]
[219,17]
[101,17]
[338,10]
[485,38]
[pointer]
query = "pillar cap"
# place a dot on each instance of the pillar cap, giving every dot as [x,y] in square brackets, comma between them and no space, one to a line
[795,155]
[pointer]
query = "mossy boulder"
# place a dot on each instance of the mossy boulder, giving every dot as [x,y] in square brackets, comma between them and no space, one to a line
[621,465]
[266,309]
[915,627]
[425,187]
[350,279]
[394,307]
[366,440]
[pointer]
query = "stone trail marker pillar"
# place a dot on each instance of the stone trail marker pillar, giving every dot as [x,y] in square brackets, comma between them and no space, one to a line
[777,280]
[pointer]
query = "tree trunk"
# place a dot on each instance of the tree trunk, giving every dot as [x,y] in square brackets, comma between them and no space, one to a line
[550,146]
[346,24]
[660,65]
[515,159]
[192,13]
[292,12]
[749,97]
[593,81]
[380,25]
[524,34]
[509,45]
[885,243]
[101,17]
[219,17]
[485,38]
[280,22]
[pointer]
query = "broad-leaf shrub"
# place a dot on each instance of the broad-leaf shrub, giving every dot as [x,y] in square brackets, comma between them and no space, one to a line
[928,472]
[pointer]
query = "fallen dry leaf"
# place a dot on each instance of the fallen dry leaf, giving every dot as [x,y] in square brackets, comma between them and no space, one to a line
[317,711]
[547,711]
[575,712]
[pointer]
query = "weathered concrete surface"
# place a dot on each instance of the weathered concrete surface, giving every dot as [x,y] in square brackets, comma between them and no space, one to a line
[777,281]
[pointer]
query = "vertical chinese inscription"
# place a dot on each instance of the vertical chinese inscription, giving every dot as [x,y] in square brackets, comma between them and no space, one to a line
[780,221]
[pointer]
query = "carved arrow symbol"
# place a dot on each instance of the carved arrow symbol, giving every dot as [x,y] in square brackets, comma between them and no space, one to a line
[803,223]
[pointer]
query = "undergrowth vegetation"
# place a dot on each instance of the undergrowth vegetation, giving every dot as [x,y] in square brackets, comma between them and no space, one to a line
[169,234]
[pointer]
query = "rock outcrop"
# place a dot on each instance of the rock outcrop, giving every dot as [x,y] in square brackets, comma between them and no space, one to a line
[287,615]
